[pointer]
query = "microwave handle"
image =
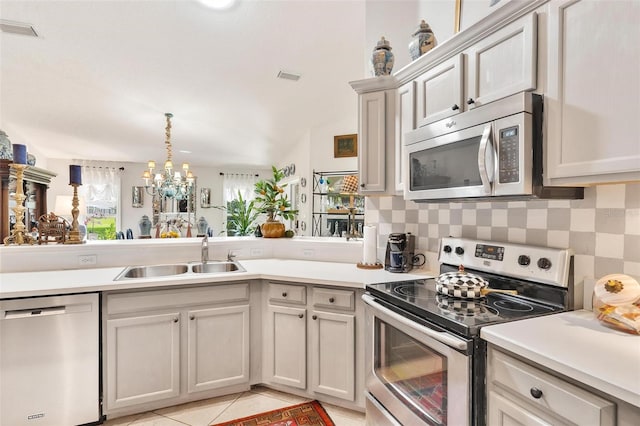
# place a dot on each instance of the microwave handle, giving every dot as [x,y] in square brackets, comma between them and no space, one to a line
[486,173]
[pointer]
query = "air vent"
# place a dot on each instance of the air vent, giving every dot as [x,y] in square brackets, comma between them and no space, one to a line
[17,28]
[288,76]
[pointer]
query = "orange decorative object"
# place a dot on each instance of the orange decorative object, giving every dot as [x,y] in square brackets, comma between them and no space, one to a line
[273,229]
[350,184]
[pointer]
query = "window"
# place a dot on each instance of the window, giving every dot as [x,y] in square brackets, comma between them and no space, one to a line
[238,219]
[101,192]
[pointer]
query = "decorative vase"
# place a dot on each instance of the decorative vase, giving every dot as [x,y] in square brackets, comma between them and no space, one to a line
[202,226]
[382,58]
[272,229]
[423,41]
[145,227]
[6,151]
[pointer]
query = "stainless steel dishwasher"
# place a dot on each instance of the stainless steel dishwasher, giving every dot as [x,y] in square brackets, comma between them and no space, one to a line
[49,351]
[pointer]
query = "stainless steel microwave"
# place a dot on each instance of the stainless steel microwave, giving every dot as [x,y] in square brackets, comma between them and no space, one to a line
[491,151]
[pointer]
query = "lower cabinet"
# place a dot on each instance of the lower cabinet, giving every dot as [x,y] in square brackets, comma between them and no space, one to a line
[172,346]
[314,346]
[521,394]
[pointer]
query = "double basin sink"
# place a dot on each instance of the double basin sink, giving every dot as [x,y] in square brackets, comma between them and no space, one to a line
[152,271]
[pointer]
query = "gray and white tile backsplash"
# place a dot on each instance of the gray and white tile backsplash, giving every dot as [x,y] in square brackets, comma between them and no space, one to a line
[603,229]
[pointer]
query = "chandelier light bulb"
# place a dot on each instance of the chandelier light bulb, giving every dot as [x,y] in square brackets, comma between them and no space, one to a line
[185,166]
[151,165]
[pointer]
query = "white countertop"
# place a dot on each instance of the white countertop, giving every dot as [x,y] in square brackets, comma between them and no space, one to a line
[578,346]
[42,283]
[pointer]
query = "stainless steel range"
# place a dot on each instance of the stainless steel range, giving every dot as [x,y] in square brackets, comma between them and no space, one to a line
[426,361]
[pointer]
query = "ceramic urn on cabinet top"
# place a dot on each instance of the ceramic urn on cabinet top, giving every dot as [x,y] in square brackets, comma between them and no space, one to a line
[382,58]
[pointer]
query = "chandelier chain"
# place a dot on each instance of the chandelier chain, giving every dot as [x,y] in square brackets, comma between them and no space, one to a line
[168,134]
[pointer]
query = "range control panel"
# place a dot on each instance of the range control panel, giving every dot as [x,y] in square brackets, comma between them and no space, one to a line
[541,264]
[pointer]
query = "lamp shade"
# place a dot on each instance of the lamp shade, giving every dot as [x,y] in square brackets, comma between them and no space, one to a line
[350,184]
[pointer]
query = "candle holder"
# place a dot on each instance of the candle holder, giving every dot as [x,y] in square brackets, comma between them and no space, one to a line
[18,235]
[74,233]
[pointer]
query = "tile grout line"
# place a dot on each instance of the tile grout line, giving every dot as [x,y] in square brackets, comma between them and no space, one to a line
[227,407]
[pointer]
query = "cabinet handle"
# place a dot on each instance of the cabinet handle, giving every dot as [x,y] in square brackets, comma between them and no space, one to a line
[455,107]
[332,299]
[315,317]
[536,393]
[284,294]
[470,101]
[192,317]
[300,315]
[362,185]
[175,320]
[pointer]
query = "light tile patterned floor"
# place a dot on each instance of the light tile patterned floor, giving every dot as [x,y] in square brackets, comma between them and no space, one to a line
[229,407]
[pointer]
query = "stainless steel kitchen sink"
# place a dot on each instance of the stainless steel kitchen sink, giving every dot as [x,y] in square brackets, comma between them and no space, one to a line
[151,271]
[213,267]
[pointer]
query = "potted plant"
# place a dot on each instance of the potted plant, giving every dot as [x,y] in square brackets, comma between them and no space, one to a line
[240,217]
[272,201]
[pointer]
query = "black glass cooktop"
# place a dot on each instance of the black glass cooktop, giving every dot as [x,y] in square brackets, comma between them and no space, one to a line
[463,316]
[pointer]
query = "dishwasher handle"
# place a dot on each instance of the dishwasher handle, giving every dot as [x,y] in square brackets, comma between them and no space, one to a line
[46,311]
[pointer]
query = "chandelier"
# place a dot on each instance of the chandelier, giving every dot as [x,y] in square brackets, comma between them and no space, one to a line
[168,183]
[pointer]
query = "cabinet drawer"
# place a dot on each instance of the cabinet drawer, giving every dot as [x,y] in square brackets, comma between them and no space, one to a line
[161,299]
[330,298]
[287,293]
[555,396]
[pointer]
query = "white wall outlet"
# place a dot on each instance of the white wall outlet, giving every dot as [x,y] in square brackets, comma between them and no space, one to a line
[308,252]
[256,252]
[87,259]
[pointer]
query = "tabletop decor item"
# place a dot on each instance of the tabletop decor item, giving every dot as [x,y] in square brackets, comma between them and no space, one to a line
[423,41]
[382,58]
[75,180]
[271,200]
[616,302]
[202,226]
[6,152]
[18,235]
[145,226]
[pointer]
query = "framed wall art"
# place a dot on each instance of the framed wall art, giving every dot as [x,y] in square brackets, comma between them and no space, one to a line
[137,196]
[345,146]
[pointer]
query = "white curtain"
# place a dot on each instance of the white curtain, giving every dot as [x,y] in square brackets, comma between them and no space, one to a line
[101,189]
[234,182]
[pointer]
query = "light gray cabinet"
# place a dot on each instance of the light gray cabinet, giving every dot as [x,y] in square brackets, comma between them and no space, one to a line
[313,345]
[165,347]
[592,102]
[521,394]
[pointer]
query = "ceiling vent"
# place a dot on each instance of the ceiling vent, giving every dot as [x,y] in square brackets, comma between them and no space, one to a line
[288,76]
[17,28]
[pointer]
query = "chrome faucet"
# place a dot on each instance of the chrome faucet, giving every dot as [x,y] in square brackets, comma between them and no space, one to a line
[231,256]
[204,256]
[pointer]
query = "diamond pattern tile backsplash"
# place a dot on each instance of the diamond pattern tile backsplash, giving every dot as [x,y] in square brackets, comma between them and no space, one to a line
[603,229]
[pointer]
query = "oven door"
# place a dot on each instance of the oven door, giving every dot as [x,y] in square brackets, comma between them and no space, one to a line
[460,164]
[419,375]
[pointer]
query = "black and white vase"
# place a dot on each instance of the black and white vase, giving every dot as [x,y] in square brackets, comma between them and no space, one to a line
[423,41]
[382,58]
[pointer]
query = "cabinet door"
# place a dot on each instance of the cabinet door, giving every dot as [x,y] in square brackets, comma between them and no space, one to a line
[503,63]
[143,359]
[371,143]
[218,347]
[439,91]
[593,103]
[405,122]
[286,345]
[333,354]
[505,412]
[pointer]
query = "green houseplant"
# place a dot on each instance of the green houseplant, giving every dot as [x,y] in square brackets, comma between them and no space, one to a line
[272,201]
[241,217]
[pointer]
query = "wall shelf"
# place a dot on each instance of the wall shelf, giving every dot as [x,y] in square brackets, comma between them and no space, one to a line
[330,209]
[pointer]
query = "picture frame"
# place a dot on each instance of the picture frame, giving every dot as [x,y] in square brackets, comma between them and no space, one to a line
[137,196]
[205,198]
[345,146]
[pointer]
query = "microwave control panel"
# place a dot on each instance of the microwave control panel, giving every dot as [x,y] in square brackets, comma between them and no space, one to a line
[509,155]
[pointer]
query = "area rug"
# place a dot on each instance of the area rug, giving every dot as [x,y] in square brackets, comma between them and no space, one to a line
[307,414]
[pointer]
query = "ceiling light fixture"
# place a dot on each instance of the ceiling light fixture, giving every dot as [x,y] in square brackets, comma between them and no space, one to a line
[218,4]
[167,183]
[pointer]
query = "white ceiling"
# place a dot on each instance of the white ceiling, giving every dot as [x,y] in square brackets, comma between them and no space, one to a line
[96,84]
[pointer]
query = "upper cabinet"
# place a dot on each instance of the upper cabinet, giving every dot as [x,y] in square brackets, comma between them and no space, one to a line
[581,55]
[592,102]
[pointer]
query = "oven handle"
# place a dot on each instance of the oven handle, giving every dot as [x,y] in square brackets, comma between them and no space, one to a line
[486,175]
[440,336]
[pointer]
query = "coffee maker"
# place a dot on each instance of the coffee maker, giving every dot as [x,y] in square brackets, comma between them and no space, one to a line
[400,250]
